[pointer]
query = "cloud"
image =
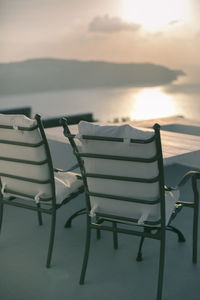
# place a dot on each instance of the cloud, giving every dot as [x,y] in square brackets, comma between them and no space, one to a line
[174,22]
[111,24]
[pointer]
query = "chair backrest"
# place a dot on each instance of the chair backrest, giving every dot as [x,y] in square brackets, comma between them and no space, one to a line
[26,168]
[123,171]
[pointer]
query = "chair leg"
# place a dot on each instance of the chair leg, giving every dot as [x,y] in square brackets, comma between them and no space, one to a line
[195,236]
[76,214]
[161,265]
[195,220]
[39,215]
[98,231]
[51,240]
[1,214]
[181,237]
[86,254]
[115,237]
[139,255]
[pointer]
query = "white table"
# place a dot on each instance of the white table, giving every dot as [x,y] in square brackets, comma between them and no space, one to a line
[177,147]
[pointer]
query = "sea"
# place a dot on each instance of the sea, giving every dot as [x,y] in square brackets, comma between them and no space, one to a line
[181,97]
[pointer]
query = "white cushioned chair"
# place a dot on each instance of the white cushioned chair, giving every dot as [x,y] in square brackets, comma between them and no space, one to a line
[26,171]
[122,170]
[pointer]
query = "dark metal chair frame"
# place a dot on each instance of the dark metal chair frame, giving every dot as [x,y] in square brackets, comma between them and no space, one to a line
[50,209]
[148,231]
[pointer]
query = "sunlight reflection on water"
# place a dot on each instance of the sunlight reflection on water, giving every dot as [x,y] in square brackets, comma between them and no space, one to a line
[152,103]
[110,104]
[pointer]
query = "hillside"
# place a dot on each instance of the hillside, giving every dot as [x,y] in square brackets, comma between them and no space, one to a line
[38,75]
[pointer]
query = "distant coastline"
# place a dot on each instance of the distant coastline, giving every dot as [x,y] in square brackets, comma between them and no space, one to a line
[45,74]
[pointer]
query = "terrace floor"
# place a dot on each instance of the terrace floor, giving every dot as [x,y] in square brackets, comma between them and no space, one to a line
[111,274]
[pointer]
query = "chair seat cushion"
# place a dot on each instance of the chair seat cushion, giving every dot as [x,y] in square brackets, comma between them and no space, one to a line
[171,198]
[116,130]
[66,183]
[138,211]
[17,120]
[25,166]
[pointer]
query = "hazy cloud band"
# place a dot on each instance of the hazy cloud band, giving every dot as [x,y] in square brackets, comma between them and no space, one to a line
[111,24]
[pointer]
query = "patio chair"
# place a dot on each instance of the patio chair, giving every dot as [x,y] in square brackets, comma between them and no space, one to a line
[122,170]
[27,177]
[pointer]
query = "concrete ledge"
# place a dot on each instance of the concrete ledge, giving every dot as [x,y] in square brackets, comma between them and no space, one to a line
[72,119]
[17,110]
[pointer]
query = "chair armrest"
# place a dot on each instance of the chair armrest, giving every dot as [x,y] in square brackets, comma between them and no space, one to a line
[191,174]
[169,188]
[70,169]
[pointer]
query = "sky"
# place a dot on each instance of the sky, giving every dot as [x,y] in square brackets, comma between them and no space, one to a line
[163,32]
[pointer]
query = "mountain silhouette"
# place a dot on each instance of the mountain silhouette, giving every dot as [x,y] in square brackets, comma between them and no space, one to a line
[45,74]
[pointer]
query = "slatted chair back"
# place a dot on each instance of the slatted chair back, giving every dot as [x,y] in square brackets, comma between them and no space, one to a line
[123,171]
[25,163]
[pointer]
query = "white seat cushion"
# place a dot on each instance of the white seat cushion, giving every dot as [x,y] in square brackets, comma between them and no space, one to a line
[139,211]
[137,190]
[14,151]
[66,183]
[17,121]
[120,131]
[119,167]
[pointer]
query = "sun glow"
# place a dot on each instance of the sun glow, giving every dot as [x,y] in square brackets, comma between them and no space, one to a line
[152,103]
[155,14]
